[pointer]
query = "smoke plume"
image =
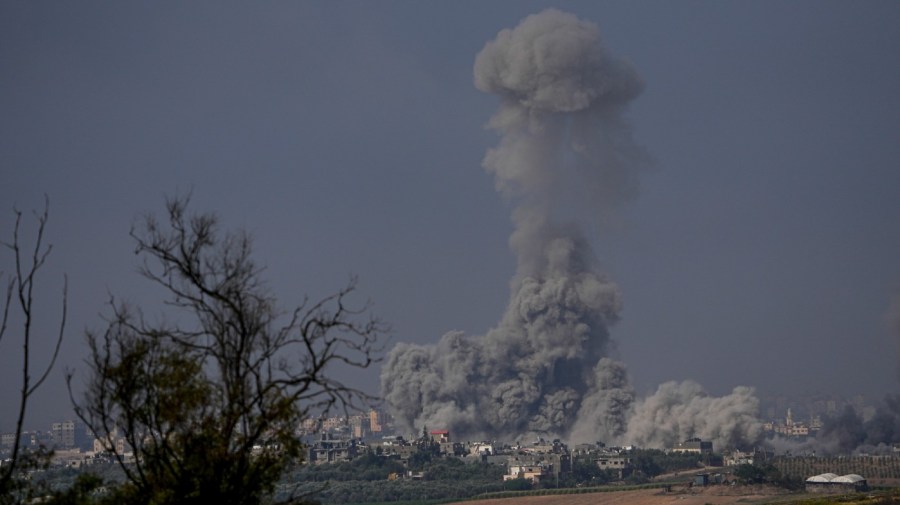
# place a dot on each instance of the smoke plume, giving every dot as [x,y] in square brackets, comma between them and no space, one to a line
[564,146]
[679,411]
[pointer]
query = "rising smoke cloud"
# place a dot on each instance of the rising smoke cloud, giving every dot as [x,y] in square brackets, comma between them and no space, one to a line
[545,368]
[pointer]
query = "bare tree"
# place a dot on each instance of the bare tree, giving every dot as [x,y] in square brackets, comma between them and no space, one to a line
[20,300]
[209,399]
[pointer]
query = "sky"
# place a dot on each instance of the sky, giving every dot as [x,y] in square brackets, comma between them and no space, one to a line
[762,249]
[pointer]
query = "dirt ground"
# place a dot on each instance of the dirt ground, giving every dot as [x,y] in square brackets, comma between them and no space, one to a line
[715,495]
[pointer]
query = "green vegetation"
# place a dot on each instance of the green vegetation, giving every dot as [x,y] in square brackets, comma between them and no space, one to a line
[582,490]
[585,472]
[766,474]
[871,467]
[389,491]
[373,479]
[349,482]
[363,480]
[652,462]
[367,467]
[207,396]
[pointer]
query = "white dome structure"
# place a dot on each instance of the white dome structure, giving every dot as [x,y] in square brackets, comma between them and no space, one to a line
[829,483]
[825,477]
[848,479]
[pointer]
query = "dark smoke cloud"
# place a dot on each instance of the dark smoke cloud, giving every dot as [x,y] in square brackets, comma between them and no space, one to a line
[884,427]
[544,369]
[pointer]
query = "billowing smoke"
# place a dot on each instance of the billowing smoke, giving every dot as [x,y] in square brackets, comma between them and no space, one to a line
[679,411]
[565,150]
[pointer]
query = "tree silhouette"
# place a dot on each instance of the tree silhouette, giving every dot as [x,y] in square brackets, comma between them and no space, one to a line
[19,298]
[208,400]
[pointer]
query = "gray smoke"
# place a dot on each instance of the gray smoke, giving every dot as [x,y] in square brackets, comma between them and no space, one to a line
[679,411]
[850,433]
[604,410]
[564,148]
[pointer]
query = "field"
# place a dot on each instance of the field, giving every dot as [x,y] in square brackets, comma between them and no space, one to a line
[713,495]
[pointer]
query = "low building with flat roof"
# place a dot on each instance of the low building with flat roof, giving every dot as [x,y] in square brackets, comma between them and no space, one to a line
[694,445]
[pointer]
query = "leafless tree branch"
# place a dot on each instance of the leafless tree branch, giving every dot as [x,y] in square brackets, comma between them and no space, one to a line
[233,374]
[21,287]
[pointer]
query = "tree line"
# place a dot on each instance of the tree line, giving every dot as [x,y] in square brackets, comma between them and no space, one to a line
[870,467]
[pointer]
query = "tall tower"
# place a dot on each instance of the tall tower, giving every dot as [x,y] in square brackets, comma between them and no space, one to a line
[374,425]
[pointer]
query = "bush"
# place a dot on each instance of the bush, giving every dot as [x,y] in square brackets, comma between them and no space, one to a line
[519,484]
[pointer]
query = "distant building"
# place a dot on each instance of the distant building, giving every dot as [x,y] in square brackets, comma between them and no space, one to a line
[329,449]
[793,429]
[111,442]
[72,458]
[694,445]
[737,458]
[615,460]
[8,441]
[70,434]
[448,447]
[618,464]
[396,447]
[310,425]
[63,434]
[360,426]
[481,448]
[535,471]
[334,423]
[375,423]
[543,460]
[541,446]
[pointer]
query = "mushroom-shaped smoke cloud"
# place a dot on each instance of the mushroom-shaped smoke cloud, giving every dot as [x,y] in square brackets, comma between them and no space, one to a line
[544,369]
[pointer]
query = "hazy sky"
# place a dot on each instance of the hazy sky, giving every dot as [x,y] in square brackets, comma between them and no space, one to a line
[762,250]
